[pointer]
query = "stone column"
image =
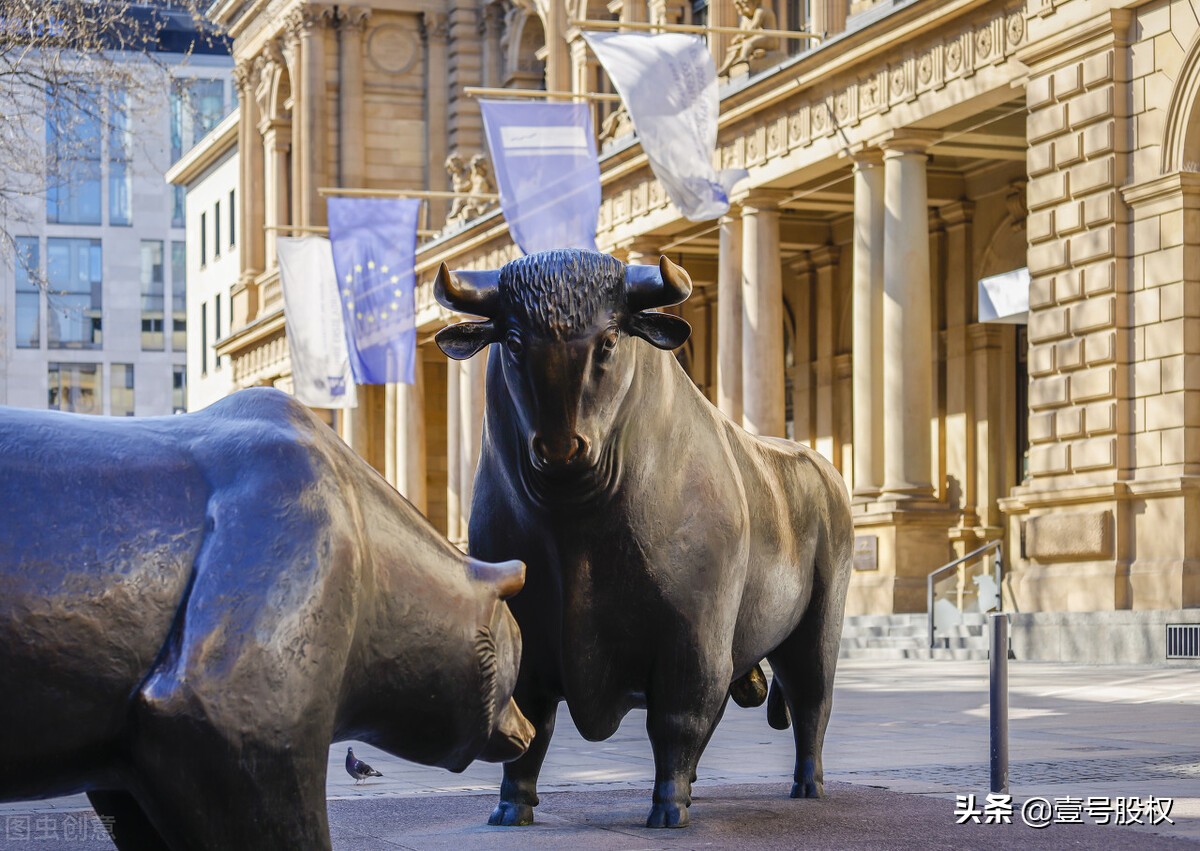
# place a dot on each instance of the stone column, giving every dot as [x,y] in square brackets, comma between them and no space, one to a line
[410,439]
[721,13]
[762,317]
[558,58]
[824,262]
[828,16]
[907,324]
[390,455]
[277,141]
[351,126]
[471,389]
[960,401]
[868,324]
[729,317]
[802,350]
[454,371]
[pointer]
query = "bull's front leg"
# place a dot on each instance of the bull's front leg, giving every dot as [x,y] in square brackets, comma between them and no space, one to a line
[680,718]
[518,790]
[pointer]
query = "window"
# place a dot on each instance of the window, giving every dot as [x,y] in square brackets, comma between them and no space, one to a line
[217,328]
[179,390]
[203,240]
[204,339]
[153,318]
[73,387]
[217,230]
[700,12]
[119,145]
[232,221]
[178,206]
[29,294]
[179,295]
[196,107]
[120,392]
[73,155]
[74,297]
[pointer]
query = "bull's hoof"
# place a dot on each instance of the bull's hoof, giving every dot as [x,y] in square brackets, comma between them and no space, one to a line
[668,815]
[511,815]
[808,789]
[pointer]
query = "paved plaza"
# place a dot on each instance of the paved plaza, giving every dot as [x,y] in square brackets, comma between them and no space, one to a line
[906,738]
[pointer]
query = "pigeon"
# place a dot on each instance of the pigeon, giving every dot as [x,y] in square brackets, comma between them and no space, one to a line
[358,769]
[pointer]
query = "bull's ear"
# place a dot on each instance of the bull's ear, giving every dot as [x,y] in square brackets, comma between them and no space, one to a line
[660,329]
[461,341]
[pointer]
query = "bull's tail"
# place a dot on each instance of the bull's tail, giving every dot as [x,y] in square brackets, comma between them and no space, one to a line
[777,708]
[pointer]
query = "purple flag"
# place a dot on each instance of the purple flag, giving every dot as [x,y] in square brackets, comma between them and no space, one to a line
[374,252]
[544,156]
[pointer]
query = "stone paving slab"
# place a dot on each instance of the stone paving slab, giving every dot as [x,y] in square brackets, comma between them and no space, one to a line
[912,727]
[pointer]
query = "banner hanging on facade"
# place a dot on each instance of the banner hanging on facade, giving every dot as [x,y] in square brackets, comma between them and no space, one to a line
[374,253]
[316,334]
[669,85]
[547,171]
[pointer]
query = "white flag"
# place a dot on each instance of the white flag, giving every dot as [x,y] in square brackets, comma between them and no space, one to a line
[315,330]
[669,85]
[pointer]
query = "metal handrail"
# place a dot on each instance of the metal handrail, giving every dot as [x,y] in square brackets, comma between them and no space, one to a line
[997,545]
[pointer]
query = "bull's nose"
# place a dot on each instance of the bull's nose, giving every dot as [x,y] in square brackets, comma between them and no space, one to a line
[557,452]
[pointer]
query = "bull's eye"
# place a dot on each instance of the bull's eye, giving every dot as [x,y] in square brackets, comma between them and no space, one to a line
[608,344]
[513,342]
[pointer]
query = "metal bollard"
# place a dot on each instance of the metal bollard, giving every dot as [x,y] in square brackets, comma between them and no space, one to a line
[998,623]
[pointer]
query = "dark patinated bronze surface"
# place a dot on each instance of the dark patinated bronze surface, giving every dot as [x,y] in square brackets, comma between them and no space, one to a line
[192,608]
[668,549]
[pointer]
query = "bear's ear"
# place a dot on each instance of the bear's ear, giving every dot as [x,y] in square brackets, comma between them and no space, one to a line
[660,329]
[461,341]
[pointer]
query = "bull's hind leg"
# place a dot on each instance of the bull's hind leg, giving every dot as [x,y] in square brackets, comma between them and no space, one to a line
[804,666]
[518,790]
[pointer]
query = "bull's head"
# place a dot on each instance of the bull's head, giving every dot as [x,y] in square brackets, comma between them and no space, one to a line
[565,322]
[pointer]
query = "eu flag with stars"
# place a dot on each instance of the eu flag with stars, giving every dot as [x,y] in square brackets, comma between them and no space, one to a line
[374,253]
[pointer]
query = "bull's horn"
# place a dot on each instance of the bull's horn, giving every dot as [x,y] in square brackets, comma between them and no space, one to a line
[648,287]
[507,577]
[465,291]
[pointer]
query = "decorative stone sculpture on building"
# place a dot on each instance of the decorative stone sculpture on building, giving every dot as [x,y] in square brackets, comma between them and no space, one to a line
[750,52]
[669,550]
[617,124]
[194,607]
[481,187]
[460,181]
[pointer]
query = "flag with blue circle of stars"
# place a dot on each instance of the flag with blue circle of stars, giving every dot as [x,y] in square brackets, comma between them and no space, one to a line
[374,252]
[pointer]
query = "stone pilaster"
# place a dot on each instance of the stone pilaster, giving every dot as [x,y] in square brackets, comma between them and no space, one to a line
[464,68]
[434,30]
[454,528]
[410,439]
[1087,414]
[352,21]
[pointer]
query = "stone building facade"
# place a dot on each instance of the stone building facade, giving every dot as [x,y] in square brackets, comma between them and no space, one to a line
[920,147]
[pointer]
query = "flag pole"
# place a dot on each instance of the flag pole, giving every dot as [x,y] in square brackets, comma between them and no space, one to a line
[694,29]
[481,91]
[317,229]
[423,194]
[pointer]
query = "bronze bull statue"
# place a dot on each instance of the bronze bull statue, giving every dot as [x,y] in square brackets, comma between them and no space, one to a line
[193,608]
[668,549]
